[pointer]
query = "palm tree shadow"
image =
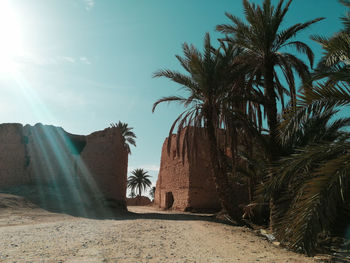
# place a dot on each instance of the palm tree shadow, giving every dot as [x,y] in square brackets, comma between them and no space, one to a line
[118,214]
[174,217]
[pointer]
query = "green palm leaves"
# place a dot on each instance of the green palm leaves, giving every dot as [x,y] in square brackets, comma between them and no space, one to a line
[335,62]
[127,133]
[311,178]
[209,83]
[315,183]
[263,43]
[139,180]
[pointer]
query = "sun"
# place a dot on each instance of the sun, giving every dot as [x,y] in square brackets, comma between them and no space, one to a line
[10,37]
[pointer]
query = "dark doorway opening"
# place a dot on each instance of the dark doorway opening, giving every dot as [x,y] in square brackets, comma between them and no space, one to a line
[169,200]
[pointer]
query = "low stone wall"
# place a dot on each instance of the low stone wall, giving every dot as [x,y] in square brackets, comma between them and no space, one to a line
[58,169]
[138,201]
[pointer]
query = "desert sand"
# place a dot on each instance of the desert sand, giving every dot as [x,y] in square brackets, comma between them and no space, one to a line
[31,234]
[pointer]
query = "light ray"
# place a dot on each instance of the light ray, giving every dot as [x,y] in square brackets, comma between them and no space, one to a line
[11,38]
[56,154]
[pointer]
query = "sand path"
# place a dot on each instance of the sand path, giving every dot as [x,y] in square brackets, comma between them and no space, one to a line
[30,234]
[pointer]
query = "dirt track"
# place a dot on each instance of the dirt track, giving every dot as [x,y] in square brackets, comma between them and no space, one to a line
[30,234]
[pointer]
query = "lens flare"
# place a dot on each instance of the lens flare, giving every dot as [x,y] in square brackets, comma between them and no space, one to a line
[10,37]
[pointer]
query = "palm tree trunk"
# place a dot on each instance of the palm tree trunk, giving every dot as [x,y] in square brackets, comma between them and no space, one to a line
[271,109]
[227,196]
[139,191]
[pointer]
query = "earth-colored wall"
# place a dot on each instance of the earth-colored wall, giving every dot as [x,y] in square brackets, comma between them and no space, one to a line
[173,178]
[138,201]
[203,193]
[45,162]
[106,159]
[13,159]
[188,179]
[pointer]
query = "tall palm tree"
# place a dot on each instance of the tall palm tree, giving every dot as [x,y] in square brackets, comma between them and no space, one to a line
[315,174]
[263,43]
[139,180]
[127,133]
[319,173]
[214,86]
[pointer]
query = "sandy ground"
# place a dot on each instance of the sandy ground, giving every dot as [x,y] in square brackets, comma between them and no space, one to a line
[30,234]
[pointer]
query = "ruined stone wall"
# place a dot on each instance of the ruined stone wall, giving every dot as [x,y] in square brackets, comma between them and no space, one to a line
[13,160]
[107,160]
[138,201]
[173,178]
[189,179]
[45,160]
[203,195]
[48,153]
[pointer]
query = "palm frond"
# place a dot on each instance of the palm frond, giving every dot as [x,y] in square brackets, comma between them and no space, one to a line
[301,47]
[127,133]
[333,95]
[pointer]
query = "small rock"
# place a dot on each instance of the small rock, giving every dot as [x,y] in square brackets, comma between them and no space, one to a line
[263,232]
[276,243]
[266,234]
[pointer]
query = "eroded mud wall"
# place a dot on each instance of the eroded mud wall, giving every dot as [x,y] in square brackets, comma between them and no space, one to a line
[46,160]
[188,179]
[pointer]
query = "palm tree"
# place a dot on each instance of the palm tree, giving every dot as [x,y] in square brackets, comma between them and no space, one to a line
[214,86]
[314,176]
[152,192]
[263,43]
[139,180]
[127,133]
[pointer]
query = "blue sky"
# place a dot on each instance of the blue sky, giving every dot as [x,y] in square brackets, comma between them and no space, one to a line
[83,64]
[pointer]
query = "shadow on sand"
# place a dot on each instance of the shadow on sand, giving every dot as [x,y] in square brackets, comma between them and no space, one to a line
[101,212]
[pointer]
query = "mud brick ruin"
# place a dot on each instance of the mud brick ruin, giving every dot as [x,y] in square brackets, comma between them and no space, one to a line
[57,169]
[186,183]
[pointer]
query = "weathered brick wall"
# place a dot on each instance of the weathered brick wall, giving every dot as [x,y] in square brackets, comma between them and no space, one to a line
[48,155]
[13,159]
[190,180]
[138,201]
[70,166]
[107,160]
[203,195]
[173,178]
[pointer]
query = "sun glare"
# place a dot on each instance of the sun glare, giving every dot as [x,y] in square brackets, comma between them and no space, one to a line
[10,37]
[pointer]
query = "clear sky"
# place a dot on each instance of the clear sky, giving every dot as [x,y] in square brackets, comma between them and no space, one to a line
[83,64]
